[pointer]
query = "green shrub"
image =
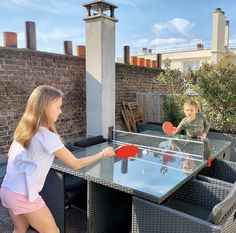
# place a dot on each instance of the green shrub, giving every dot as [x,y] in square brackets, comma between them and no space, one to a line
[214,86]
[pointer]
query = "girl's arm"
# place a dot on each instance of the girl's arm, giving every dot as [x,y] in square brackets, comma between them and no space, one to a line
[69,159]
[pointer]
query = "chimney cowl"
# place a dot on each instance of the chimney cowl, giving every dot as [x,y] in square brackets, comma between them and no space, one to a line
[199,46]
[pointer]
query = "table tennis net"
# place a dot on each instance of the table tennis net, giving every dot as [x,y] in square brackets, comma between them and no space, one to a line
[161,144]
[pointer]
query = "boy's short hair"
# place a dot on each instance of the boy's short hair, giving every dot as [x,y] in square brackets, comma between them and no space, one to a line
[193,103]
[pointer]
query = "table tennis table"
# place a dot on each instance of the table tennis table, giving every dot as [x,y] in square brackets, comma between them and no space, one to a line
[162,165]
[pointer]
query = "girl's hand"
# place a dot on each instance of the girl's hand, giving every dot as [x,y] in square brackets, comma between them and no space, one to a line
[108,152]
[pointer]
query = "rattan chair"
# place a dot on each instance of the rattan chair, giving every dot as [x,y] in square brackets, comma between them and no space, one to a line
[214,181]
[222,170]
[186,211]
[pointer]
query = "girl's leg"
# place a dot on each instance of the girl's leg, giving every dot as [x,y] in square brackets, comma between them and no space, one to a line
[20,223]
[42,220]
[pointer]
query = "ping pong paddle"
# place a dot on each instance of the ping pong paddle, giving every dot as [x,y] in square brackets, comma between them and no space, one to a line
[126,151]
[168,127]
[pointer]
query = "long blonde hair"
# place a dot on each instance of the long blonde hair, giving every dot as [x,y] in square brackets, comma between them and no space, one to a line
[35,114]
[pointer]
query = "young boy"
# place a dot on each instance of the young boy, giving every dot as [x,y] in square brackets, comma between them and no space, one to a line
[195,124]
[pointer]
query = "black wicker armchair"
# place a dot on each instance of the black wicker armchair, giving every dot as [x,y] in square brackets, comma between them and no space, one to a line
[187,210]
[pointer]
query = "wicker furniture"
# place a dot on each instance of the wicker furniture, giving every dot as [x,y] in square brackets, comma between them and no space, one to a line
[221,169]
[186,211]
[109,202]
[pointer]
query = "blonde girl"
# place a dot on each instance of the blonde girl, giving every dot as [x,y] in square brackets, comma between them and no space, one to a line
[31,154]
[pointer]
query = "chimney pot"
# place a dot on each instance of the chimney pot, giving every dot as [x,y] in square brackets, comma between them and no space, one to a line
[30,31]
[126,54]
[154,64]
[158,60]
[68,47]
[81,51]
[134,60]
[199,46]
[141,61]
[10,39]
[147,63]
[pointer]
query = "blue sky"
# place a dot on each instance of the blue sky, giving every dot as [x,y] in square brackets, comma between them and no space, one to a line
[142,23]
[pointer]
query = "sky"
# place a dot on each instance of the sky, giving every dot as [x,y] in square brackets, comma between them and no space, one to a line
[142,23]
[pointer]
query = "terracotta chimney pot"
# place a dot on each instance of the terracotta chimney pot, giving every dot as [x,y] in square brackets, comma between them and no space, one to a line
[10,39]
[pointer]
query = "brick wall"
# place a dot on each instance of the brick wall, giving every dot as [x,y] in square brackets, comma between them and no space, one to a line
[21,70]
[131,80]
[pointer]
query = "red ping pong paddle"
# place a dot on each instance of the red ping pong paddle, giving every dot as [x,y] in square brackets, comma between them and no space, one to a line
[126,151]
[168,127]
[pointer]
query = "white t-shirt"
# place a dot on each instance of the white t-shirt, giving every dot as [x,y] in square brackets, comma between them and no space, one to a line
[27,169]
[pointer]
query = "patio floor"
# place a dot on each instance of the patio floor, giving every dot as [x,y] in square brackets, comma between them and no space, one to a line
[75,221]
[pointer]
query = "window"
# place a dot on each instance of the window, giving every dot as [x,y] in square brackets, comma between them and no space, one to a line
[190,65]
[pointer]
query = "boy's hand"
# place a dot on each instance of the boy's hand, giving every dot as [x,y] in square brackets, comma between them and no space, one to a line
[203,137]
[175,130]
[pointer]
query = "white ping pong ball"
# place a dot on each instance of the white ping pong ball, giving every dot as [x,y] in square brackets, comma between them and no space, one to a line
[144,152]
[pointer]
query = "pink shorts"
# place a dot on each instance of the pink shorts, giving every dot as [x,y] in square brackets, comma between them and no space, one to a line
[19,203]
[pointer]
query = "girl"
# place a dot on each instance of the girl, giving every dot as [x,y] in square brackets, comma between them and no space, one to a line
[31,154]
[195,124]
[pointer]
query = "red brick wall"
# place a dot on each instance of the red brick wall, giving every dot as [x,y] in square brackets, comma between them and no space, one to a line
[21,70]
[131,80]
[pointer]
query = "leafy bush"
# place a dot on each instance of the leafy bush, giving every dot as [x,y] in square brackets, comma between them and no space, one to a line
[214,86]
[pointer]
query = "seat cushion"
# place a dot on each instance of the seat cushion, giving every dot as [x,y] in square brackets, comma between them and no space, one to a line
[221,209]
[188,208]
[90,141]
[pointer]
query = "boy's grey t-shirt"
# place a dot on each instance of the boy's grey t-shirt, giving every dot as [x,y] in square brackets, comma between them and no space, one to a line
[196,127]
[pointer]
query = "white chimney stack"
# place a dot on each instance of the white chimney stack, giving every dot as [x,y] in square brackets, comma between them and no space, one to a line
[100,66]
[226,34]
[218,35]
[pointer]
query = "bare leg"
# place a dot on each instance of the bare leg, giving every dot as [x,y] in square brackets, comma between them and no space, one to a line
[20,223]
[42,220]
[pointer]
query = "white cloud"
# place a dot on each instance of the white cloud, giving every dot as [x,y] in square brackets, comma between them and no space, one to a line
[181,25]
[159,27]
[21,36]
[176,24]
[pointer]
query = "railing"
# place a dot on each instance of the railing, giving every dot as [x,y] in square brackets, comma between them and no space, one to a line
[177,47]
